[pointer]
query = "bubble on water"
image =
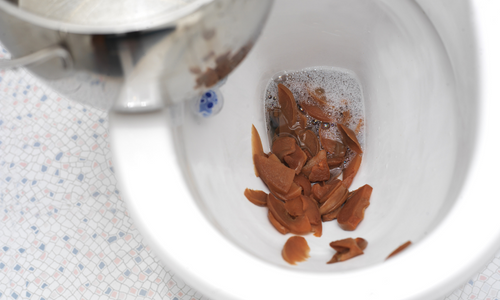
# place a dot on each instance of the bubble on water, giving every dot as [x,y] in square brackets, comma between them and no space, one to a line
[338,87]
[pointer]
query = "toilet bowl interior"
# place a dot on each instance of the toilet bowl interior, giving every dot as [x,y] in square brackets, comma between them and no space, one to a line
[416,143]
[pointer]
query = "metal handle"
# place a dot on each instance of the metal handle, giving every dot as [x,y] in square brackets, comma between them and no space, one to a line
[39,57]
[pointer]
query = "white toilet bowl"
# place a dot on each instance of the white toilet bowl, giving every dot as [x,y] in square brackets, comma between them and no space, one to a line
[427,70]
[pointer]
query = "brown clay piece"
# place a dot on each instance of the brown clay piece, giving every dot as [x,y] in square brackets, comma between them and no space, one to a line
[288,104]
[296,160]
[294,207]
[346,117]
[320,192]
[399,249]
[352,169]
[257,197]
[334,162]
[297,225]
[331,215]
[347,249]
[316,169]
[317,112]
[257,148]
[273,157]
[349,138]
[295,250]
[281,229]
[294,192]
[334,199]
[275,175]
[309,140]
[312,212]
[283,145]
[304,183]
[318,95]
[353,211]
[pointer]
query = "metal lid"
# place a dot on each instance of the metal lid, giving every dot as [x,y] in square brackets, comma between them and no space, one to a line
[98,16]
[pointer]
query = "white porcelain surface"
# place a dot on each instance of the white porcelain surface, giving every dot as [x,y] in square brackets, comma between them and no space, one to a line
[419,80]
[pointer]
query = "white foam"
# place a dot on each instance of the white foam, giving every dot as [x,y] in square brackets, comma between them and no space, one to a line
[341,88]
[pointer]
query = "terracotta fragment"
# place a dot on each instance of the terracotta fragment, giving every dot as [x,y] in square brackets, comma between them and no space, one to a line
[349,138]
[295,250]
[273,157]
[318,95]
[321,192]
[316,169]
[353,211]
[399,249]
[296,160]
[312,212]
[351,170]
[294,192]
[334,162]
[362,243]
[294,207]
[333,147]
[308,154]
[358,127]
[288,104]
[281,229]
[275,175]
[283,146]
[305,184]
[320,172]
[256,147]
[317,112]
[309,140]
[331,215]
[334,200]
[347,249]
[298,225]
[346,117]
[257,197]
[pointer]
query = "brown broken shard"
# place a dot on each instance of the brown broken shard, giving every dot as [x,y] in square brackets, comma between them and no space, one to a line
[399,249]
[320,191]
[275,175]
[317,112]
[316,169]
[334,199]
[256,147]
[305,184]
[309,141]
[257,197]
[295,250]
[318,95]
[281,229]
[347,249]
[288,104]
[294,192]
[312,212]
[296,160]
[331,215]
[353,211]
[352,169]
[283,145]
[349,138]
[298,225]
[294,207]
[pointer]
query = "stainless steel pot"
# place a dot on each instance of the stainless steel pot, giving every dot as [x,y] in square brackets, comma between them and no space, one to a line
[130,58]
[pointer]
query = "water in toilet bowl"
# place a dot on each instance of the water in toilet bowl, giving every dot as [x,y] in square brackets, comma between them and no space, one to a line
[341,93]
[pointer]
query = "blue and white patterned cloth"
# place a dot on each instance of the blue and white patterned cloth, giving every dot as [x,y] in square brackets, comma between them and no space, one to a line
[64,230]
